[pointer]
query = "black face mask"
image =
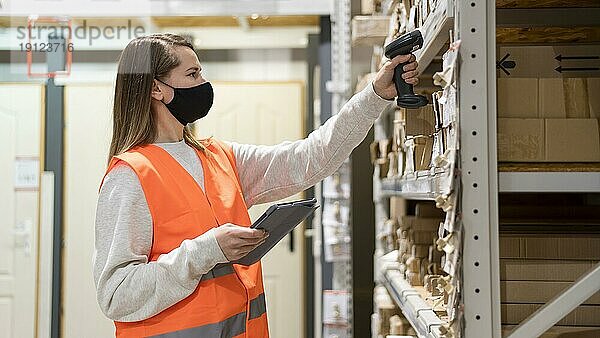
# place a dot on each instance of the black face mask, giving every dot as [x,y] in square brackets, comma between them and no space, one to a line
[190,104]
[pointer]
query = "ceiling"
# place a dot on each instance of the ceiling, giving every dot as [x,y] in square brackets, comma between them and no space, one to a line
[234,21]
[187,21]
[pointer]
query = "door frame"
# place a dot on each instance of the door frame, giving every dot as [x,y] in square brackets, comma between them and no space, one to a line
[41,134]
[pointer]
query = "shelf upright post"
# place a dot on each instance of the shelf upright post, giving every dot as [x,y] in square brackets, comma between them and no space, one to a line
[476,28]
[339,87]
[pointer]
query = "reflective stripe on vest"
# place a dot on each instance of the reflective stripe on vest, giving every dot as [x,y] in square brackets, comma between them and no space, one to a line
[218,271]
[228,328]
[230,298]
[258,306]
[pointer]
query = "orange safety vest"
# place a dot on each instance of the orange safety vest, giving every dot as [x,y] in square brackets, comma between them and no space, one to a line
[229,301]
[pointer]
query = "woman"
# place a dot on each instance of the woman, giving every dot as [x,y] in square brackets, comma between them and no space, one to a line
[171,207]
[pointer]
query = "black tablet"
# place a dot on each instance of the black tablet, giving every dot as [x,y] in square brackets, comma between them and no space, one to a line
[279,220]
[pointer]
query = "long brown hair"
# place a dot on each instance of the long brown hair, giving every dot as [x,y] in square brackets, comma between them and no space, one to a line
[144,59]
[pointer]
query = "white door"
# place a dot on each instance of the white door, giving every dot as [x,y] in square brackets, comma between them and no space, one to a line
[21,109]
[87,138]
[267,113]
[264,113]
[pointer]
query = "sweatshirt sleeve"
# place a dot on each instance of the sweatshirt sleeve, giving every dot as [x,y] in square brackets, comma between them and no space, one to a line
[128,286]
[270,173]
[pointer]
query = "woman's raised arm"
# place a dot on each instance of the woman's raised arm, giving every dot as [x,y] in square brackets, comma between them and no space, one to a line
[270,173]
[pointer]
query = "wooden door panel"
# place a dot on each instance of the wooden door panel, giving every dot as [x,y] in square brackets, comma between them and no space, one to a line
[267,113]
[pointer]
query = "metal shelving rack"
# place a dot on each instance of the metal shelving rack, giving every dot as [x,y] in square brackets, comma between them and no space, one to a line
[422,185]
[339,86]
[548,178]
[478,162]
[480,183]
[549,182]
[419,314]
[474,25]
[417,311]
[438,22]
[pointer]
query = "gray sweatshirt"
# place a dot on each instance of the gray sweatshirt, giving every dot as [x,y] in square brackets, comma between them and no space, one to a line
[131,288]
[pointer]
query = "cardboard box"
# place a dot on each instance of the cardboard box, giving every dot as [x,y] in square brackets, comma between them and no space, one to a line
[413,264]
[543,61]
[369,29]
[551,246]
[420,251]
[428,210]
[537,292]
[421,224]
[520,140]
[518,97]
[420,121]
[576,98]
[552,98]
[397,207]
[510,247]
[593,86]
[556,97]
[422,152]
[584,315]
[564,140]
[405,222]
[370,6]
[572,140]
[422,237]
[561,332]
[542,270]
[414,278]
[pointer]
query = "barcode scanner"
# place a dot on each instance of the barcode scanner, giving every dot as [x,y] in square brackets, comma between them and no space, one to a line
[404,45]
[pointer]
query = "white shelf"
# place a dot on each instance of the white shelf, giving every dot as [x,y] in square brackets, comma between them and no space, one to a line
[549,181]
[435,30]
[419,314]
[435,33]
[422,185]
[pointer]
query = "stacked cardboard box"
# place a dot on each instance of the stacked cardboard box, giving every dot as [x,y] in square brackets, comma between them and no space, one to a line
[550,246]
[561,332]
[548,119]
[536,267]
[416,243]
[420,121]
[370,29]
[419,130]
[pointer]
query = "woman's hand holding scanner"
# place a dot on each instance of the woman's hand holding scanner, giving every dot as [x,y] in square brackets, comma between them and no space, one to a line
[237,241]
[384,84]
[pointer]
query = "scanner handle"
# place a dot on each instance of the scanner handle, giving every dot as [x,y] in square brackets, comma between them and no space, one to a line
[402,87]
